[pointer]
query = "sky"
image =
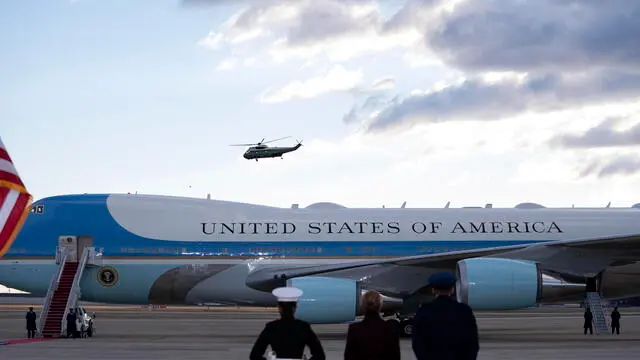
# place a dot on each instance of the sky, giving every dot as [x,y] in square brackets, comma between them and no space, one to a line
[424,101]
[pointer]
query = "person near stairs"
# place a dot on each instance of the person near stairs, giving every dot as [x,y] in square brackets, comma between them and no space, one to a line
[588,321]
[615,321]
[31,323]
[71,324]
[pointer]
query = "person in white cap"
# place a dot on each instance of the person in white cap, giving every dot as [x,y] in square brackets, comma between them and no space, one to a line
[287,336]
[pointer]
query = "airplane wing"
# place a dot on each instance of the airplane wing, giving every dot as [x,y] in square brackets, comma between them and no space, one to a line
[582,257]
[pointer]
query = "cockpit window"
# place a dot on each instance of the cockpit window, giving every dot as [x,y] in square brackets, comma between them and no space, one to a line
[37,209]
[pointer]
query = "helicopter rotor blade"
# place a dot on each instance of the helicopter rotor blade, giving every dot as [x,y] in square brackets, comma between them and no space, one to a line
[243,144]
[266,142]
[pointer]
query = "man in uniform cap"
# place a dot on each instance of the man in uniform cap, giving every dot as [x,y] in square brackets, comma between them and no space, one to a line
[287,336]
[445,328]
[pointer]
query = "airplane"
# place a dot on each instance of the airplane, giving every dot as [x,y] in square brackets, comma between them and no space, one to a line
[262,151]
[169,250]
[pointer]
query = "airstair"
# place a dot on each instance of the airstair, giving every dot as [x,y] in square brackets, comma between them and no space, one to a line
[598,309]
[64,291]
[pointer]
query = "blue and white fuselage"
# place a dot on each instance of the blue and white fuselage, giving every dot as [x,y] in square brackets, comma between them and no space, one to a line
[173,250]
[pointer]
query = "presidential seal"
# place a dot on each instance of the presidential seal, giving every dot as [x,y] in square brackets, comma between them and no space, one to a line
[107,276]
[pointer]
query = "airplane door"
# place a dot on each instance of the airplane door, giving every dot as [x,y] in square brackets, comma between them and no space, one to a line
[70,244]
[83,242]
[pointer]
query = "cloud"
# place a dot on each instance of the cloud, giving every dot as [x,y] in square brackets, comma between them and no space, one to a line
[479,99]
[600,136]
[336,79]
[228,64]
[517,58]
[557,54]
[563,53]
[542,35]
[623,165]
[384,84]
[337,29]
[369,106]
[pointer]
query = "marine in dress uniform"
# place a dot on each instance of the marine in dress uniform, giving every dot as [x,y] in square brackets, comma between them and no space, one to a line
[287,336]
[445,329]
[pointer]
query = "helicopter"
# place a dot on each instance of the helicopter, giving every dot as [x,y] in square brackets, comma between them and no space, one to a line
[262,151]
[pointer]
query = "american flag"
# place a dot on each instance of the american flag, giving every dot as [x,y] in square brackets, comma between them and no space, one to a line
[15,201]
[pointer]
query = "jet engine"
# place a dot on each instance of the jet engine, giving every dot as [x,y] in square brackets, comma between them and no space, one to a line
[505,284]
[328,300]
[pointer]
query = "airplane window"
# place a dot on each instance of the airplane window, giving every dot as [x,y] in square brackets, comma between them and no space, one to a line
[37,209]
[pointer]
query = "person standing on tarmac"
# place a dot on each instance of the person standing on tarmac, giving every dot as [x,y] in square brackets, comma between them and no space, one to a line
[31,323]
[445,329]
[287,336]
[588,321]
[615,321]
[372,338]
[71,324]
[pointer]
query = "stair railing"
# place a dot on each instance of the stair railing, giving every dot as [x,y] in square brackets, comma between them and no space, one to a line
[598,309]
[75,292]
[61,255]
[604,307]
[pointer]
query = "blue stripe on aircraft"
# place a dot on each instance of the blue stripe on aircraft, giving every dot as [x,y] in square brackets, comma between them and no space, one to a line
[270,248]
[88,215]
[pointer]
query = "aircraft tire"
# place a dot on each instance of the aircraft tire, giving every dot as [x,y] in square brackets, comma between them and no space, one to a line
[403,326]
[406,328]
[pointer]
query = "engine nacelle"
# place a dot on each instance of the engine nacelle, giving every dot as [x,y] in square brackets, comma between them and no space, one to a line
[497,284]
[506,284]
[327,300]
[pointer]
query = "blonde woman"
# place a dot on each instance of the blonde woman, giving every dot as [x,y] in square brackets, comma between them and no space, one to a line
[372,338]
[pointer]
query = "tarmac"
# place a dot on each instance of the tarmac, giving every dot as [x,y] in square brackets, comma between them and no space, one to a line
[229,333]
